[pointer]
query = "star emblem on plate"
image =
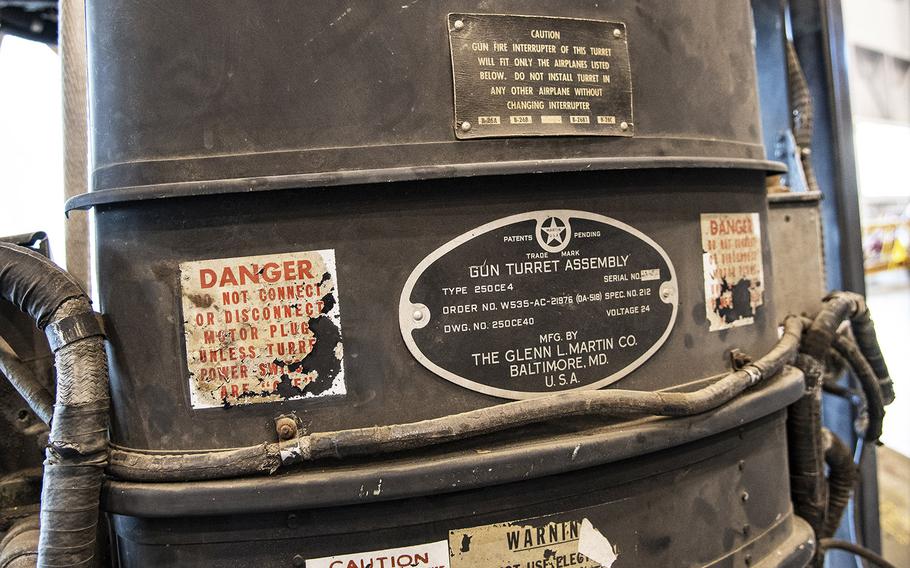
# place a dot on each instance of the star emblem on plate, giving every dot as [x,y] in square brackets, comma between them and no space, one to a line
[553,232]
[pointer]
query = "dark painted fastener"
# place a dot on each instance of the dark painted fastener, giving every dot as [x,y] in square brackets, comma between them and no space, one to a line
[293,523]
[299,560]
[286,426]
[739,359]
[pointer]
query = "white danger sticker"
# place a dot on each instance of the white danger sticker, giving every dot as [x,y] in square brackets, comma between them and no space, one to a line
[262,328]
[734,276]
[431,555]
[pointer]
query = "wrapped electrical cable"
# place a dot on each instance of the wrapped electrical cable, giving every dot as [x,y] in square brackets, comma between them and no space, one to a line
[77,451]
[835,367]
[805,447]
[25,382]
[826,544]
[842,476]
[136,465]
[869,384]
[845,350]
[19,547]
[801,105]
[839,306]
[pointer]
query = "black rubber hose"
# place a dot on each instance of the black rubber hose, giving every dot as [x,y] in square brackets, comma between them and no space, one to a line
[25,383]
[842,476]
[136,465]
[805,448]
[77,448]
[864,553]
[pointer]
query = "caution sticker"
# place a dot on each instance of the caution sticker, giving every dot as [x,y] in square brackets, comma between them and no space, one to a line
[262,328]
[430,555]
[734,276]
[555,541]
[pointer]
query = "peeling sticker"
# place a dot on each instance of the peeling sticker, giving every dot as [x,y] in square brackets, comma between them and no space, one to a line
[430,555]
[734,275]
[262,328]
[595,545]
[542,542]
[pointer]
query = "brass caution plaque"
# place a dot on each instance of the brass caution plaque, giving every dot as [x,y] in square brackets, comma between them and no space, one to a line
[540,76]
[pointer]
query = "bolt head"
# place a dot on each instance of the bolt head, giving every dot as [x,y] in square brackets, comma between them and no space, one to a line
[458,24]
[617,33]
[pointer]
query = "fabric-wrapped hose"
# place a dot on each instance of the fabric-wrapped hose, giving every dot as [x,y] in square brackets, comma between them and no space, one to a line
[78,447]
[137,465]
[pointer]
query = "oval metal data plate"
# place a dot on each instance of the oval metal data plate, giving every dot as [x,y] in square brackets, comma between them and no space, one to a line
[540,302]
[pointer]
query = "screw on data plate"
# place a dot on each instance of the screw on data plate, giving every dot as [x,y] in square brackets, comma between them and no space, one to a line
[458,24]
[465,126]
[417,315]
[617,33]
[286,426]
[624,126]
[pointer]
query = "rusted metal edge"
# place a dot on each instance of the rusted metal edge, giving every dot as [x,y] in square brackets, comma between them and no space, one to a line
[407,476]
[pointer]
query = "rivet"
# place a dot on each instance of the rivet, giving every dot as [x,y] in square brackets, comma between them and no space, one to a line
[465,126]
[745,496]
[617,33]
[292,521]
[742,465]
[299,560]
[417,315]
[623,125]
[286,427]
[746,529]
[458,24]
[748,559]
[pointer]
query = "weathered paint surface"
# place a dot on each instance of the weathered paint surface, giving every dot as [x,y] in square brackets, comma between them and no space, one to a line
[542,542]
[262,328]
[734,275]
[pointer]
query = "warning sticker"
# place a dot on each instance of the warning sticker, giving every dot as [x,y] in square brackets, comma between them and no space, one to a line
[262,328]
[430,555]
[554,541]
[734,276]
